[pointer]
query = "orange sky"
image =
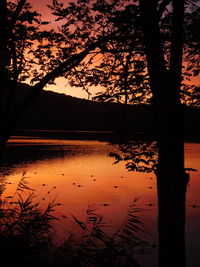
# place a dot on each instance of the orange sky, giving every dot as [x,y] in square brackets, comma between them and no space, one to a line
[62,85]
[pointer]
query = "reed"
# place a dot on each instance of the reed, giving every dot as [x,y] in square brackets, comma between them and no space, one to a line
[27,235]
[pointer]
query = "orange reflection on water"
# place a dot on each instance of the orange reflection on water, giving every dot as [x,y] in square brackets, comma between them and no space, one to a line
[86,176]
[83,175]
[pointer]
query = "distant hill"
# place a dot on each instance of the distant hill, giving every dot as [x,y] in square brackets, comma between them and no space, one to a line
[61,112]
[54,111]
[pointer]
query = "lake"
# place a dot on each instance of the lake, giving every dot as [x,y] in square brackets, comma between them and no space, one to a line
[79,173]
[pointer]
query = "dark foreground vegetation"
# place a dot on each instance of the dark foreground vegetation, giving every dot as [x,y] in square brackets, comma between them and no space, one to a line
[27,235]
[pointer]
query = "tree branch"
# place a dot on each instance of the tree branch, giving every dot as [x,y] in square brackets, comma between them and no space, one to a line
[63,67]
[153,45]
[17,13]
[3,25]
[163,6]
[176,52]
[192,3]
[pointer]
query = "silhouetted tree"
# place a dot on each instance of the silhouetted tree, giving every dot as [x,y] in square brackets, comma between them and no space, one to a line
[139,47]
[28,52]
[160,28]
[165,82]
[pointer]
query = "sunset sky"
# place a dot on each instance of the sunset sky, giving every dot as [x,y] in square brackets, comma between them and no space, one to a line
[62,85]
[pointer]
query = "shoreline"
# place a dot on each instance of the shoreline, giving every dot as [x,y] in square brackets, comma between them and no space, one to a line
[89,135]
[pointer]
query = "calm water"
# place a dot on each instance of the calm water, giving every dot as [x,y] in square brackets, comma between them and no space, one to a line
[80,173]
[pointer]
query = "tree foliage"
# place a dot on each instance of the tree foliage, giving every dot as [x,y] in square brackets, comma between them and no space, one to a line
[119,66]
[139,156]
[99,43]
[38,55]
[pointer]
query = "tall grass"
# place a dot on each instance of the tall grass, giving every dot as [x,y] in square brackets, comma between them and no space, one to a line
[27,235]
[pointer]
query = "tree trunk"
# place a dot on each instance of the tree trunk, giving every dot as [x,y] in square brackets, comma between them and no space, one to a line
[4,135]
[165,85]
[171,178]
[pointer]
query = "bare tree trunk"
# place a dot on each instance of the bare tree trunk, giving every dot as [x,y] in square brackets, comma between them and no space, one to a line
[171,177]
[171,182]
[4,61]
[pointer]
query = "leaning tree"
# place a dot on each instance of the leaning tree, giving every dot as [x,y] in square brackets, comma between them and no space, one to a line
[33,53]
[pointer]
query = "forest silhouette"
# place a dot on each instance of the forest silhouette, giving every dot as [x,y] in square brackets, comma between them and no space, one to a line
[140,47]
